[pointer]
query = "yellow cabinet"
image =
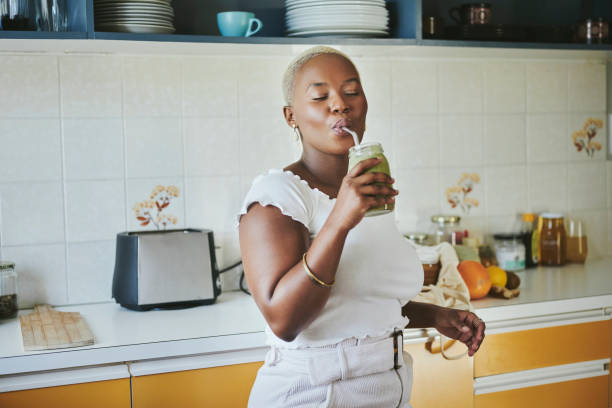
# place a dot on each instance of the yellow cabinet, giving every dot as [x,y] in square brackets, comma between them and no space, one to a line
[529,349]
[99,394]
[587,392]
[439,382]
[225,386]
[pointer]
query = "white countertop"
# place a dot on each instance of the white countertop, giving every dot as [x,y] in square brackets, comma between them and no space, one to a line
[234,323]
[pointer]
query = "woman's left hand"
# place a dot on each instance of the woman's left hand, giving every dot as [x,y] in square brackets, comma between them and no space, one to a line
[461,325]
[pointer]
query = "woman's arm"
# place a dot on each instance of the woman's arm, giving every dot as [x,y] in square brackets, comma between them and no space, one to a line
[273,244]
[455,324]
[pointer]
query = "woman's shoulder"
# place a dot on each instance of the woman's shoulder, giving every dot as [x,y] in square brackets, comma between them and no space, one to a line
[281,180]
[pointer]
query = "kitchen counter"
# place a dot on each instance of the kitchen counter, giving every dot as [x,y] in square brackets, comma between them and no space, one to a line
[234,325]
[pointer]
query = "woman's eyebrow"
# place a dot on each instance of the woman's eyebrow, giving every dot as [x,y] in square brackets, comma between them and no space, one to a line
[315,84]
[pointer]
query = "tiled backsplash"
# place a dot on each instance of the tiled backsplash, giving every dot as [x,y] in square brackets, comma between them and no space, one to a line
[85,138]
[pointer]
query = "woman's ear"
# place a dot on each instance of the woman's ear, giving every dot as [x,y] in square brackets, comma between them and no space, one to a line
[289,116]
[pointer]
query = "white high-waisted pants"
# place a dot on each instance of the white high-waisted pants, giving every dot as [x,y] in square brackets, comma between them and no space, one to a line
[285,380]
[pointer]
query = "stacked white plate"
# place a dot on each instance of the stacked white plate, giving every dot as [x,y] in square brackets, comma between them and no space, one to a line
[345,18]
[134,16]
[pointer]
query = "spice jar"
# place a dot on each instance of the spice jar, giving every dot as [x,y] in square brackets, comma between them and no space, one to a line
[552,240]
[444,228]
[510,251]
[8,290]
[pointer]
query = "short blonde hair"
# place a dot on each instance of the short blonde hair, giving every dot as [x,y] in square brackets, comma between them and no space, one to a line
[299,61]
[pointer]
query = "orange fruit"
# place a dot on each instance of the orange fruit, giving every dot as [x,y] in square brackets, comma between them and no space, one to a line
[476,278]
[498,276]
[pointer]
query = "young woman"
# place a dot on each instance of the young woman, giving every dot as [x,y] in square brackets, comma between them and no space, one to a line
[333,286]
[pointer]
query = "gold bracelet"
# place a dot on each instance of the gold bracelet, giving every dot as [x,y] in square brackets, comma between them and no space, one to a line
[314,278]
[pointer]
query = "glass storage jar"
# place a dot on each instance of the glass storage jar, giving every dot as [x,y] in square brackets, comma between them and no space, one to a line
[8,290]
[366,151]
[510,251]
[552,240]
[444,227]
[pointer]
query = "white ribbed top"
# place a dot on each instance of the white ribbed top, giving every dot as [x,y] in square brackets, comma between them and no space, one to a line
[378,272]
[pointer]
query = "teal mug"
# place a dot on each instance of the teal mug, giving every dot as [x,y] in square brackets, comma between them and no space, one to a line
[238,23]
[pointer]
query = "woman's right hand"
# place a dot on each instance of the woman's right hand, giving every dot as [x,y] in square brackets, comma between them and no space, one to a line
[358,193]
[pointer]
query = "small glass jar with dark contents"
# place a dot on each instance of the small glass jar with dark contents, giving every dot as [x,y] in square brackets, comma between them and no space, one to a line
[552,240]
[8,290]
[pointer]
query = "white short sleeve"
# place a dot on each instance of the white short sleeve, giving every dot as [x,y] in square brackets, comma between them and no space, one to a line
[284,191]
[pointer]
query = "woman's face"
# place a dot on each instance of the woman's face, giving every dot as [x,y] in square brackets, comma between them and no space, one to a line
[327,96]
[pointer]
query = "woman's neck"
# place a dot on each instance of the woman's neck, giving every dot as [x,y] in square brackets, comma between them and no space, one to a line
[327,169]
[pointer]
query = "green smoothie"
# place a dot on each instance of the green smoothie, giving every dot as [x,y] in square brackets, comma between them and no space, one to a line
[367,151]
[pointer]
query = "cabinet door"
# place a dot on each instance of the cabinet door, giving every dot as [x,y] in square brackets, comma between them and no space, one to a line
[439,382]
[227,386]
[99,394]
[587,392]
[529,349]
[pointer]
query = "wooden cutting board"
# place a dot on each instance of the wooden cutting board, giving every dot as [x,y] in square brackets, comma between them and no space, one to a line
[45,329]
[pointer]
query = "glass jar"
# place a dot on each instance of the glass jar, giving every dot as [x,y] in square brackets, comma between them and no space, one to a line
[552,240]
[367,151]
[576,248]
[444,227]
[510,251]
[8,290]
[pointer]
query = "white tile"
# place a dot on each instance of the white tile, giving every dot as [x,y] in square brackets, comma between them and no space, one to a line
[506,190]
[265,143]
[32,213]
[587,87]
[609,232]
[90,268]
[461,141]
[32,82]
[580,126]
[141,190]
[210,86]
[609,184]
[415,87]
[502,224]
[211,146]
[95,210]
[90,86]
[419,192]
[595,224]
[154,147]
[504,89]
[228,249]
[462,191]
[93,148]
[31,150]
[415,141]
[547,87]
[151,86]
[212,202]
[376,81]
[378,129]
[41,274]
[259,86]
[547,188]
[547,138]
[460,87]
[504,139]
[586,186]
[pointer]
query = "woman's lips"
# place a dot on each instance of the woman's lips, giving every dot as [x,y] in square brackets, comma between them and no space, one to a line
[337,127]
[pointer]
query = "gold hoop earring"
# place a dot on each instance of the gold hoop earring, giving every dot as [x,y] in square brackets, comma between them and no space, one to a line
[297,134]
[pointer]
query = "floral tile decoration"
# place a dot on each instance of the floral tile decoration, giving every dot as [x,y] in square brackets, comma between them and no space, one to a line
[151,211]
[584,139]
[457,195]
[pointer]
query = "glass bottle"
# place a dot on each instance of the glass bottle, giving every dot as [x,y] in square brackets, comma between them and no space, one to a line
[527,234]
[366,151]
[552,240]
[8,290]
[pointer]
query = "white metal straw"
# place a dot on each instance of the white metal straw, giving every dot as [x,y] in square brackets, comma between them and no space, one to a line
[355,139]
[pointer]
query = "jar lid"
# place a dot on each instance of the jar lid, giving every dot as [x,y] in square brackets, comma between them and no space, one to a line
[507,237]
[445,219]
[551,215]
[417,237]
[7,265]
[366,145]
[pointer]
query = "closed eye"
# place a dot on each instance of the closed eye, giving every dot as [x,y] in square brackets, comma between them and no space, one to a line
[321,98]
